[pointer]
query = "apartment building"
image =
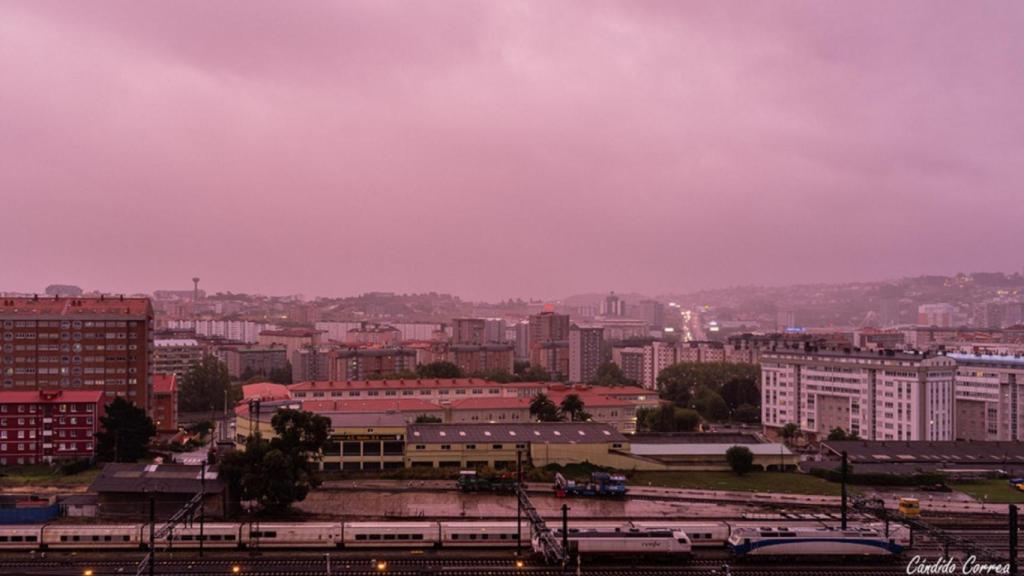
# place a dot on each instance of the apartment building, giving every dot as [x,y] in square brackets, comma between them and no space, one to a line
[883,395]
[585,352]
[96,344]
[483,358]
[175,355]
[165,403]
[253,360]
[989,392]
[42,426]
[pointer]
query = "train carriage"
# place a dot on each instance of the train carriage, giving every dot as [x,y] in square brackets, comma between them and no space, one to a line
[107,536]
[215,535]
[391,534]
[20,537]
[482,534]
[651,543]
[294,535]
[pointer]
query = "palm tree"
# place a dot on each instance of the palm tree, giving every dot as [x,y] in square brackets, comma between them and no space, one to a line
[543,409]
[573,406]
[790,432]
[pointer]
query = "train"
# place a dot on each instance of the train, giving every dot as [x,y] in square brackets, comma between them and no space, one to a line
[673,538]
[813,541]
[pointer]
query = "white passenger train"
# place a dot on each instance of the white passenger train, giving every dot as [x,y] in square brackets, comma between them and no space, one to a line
[634,542]
[743,538]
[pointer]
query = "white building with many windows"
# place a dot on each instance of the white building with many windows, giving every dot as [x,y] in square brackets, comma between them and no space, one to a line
[988,396]
[883,395]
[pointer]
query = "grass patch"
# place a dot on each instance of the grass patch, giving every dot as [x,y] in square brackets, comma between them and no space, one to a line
[43,475]
[997,491]
[783,483]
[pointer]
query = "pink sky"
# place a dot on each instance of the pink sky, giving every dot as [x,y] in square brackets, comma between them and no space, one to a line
[496,149]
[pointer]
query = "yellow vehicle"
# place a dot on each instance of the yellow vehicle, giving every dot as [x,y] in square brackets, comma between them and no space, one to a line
[910,507]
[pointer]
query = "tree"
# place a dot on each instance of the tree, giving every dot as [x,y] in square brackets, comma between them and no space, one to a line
[609,374]
[680,382]
[738,391]
[740,459]
[427,419]
[838,434]
[126,432]
[281,375]
[543,409]
[535,374]
[710,405]
[789,432]
[667,418]
[573,407]
[439,369]
[747,414]
[204,385]
[282,471]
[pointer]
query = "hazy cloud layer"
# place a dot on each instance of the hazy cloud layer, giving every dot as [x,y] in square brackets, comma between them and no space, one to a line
[496,149]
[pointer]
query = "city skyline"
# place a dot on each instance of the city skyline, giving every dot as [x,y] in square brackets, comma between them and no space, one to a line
[534,149]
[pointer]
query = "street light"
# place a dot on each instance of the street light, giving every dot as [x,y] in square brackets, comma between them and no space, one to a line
[382,566]
[236,569]
[520,564]
[88,572]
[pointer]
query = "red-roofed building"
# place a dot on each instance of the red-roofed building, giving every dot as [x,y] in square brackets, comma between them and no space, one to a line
[82,344]
[48,425]
[265,391]
[165,402]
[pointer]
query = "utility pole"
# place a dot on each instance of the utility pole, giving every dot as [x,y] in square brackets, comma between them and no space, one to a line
[842,509]
[152,534]
[565,529]
[202,507]
[519,502]
[1013,540]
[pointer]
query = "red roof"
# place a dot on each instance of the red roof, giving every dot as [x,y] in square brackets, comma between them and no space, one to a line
[164,383]
[72,307]
[366,406]
[265,391]
[328,386]
[490,403]
[50,396]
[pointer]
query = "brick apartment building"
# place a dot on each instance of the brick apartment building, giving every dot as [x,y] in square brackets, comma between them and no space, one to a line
[165,403]
[100,344]
[48,426]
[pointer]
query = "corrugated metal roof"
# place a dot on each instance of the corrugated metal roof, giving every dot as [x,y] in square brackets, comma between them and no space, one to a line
[704,449]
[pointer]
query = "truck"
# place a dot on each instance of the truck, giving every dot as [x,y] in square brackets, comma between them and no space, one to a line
[601,484]
[471,481]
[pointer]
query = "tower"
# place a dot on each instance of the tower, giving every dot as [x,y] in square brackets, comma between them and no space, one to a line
[195,289]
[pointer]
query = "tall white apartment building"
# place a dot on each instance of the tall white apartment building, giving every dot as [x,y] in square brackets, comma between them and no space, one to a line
[883,395]
[657,356]
[989,392]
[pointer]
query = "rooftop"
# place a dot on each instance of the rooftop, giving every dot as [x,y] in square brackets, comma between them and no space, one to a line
[1009,361]
[370,406]
[702,449]
[76,307]
[265,391]
[959,452]
[164,383]
[50,396]
[333,385]
[165,478]
[293,332]
[547,432]
[175,343]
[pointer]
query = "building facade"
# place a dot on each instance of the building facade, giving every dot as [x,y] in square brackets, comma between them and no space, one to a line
[175,355]
[165,403]
[95,344]
[989,392]
[585,353]
[883,395]
[42,426]
[483,358]
[363,363]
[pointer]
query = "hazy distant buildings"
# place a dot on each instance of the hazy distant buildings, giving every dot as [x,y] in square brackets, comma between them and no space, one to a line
[939,315]
[478,331]
[175,355]
[366,363]
[312,363]
[291,338]
[248,361]
[585,353]
[374,335]
[630,359]
[522,341]
[882,395]
[613,306]
[482,358]
[652,312]
[236,330]
[96,344]
[549,342]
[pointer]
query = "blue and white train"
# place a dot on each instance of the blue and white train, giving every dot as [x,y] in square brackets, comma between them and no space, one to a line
[790,541]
